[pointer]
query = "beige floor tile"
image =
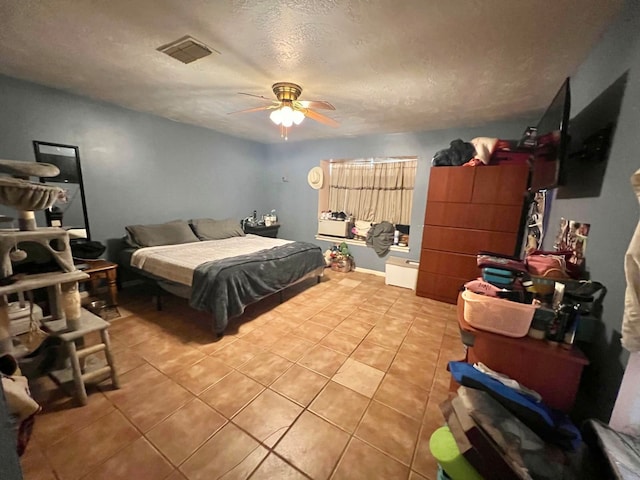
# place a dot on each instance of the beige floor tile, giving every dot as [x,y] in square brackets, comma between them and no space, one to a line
[348,282]
[416,476]
[381,336]
[359,377]
[413,369]
[126,360]
[176,475]
[328,318]
[291,347]
[390,431]
[232,393]
[341,342]
[185,430]
[35,465]
[313,445]
[237,353]
[274,468]
[354,327]
[138,460]
[265,367]
[213,346]
[131,331]
[77,454]
[374,355]
[62,418]
[133,382]
[263,337]
[230,453]
[202,375]
[268,417]
[369,313]
[299,384]
[153,405]
[403,396]
[176,359]
[340,405]
[427,350]
[311,331]
[158,346]
[342,309]
[334,318]
[363,462]
[323,360]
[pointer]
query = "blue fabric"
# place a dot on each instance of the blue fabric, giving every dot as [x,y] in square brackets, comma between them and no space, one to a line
[225,287]
[551,425]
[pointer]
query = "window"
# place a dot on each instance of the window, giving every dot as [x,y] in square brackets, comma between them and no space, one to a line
[371,190]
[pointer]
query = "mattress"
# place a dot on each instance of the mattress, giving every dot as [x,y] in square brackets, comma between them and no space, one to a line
[177,263]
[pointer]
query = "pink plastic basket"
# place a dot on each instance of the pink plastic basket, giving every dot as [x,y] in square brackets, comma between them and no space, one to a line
[497,315]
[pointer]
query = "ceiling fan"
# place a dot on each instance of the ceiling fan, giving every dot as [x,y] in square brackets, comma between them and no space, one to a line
[288,110]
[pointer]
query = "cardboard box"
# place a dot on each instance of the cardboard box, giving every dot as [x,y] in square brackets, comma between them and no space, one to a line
[401,272]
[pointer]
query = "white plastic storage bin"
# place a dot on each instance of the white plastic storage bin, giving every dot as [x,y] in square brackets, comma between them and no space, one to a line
[497,315]
[401,272]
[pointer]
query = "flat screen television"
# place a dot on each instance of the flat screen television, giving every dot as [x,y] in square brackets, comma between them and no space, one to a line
[552,138]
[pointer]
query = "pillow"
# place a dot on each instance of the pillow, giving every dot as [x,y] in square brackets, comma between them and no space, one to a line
[209,229]
[484,148]
[170,233]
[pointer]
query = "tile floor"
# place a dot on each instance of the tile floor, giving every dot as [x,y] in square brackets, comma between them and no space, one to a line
[342,380]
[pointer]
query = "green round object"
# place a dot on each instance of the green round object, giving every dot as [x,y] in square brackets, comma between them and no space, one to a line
[445,450]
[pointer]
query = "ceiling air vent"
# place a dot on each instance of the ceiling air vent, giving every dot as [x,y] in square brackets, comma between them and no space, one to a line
[186,49]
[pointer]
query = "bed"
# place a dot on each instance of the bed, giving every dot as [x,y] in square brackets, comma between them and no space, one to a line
[225,274]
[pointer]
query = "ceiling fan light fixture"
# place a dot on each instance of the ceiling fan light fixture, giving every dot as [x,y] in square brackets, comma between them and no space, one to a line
[276,116]
[287,116]
[298,117]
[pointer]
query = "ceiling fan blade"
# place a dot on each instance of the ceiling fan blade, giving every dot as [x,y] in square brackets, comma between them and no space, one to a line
[256,109]
[318,117]
[256,96]
[316,104]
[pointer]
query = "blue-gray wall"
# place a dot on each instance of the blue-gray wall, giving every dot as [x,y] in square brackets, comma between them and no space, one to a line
[613,215]
[139,168]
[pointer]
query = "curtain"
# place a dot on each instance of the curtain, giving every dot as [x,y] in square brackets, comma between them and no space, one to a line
[373,191]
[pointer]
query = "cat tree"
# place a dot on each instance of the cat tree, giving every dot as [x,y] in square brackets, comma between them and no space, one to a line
[67,320]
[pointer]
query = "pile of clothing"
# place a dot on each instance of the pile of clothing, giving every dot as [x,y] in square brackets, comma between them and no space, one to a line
[474,153]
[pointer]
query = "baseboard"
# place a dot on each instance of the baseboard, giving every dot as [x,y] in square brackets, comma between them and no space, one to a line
[366,270]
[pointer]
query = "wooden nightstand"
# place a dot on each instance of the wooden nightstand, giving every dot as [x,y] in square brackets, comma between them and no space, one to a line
[262,230]
[103,270]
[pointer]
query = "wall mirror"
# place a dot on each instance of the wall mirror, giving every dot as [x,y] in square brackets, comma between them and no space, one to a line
[72,215]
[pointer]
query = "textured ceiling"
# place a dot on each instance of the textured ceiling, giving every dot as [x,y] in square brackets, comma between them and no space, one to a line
[386,65]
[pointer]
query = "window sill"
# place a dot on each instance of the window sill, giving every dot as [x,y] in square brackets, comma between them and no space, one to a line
[351,241]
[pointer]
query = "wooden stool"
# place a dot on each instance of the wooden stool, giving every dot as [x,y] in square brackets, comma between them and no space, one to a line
[74,341]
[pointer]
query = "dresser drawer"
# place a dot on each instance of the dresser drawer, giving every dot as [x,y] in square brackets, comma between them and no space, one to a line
[448,263]
[459,240]
[500,185]
[495,218]
[443,288]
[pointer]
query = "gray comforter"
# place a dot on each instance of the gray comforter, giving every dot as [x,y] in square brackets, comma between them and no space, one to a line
[225,287]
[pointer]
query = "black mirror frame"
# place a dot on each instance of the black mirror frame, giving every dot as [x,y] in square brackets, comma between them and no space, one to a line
[42,157]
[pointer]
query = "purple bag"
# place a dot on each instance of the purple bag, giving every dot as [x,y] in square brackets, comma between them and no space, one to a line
[495,260]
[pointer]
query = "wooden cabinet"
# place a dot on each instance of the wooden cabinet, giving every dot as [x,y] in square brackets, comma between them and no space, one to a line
[552,371]
[468,209]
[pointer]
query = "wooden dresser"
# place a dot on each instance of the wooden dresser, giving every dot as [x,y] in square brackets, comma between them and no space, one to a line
[468,209]
[552,371]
